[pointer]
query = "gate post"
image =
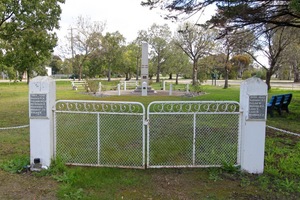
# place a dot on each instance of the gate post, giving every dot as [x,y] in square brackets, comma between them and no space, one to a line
[42,96]
[253,105]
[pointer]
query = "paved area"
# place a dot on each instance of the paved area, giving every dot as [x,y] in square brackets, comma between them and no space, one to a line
[284,84]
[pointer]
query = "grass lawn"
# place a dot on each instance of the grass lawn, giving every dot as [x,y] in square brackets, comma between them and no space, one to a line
[281,178]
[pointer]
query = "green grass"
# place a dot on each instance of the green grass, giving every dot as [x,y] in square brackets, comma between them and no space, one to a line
[279,181]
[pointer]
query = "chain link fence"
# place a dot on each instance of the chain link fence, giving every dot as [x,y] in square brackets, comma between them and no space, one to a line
[179,134]
[93,133]
[193,134]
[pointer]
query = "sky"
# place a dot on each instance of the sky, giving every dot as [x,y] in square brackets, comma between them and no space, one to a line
[125,16]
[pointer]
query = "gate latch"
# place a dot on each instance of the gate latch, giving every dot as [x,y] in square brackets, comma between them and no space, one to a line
[146,122]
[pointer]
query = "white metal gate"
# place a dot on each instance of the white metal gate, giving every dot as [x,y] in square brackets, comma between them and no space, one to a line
[100,133]
[179,134]
[193,133]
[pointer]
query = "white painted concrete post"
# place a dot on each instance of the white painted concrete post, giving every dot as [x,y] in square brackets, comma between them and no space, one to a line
[99,87]
[164,85]
[119,89]
[171,88]
[144,67]
[144,88]
[125,85]
[42,97]
[253,104]
[187,88]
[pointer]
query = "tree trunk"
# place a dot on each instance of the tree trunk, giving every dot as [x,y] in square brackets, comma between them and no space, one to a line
[195,70]
[226,78]
[28,77]
[268,79]
[108,75]
[170,76]
[177,76]
[137,69]
[80,72]
[157,74]
[296,75]
[226,69]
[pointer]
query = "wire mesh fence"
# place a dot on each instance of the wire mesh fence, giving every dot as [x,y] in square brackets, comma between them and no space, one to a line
[193,134]
[179,134]
[100,133]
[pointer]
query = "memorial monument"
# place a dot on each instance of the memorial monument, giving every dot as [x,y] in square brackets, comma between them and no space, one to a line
[144,88]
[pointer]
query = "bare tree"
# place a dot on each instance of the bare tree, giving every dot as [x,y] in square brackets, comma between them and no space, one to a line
[85,38]
[273,44]
[196,42]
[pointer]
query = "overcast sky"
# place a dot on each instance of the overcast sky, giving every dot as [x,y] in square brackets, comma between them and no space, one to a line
[125,16]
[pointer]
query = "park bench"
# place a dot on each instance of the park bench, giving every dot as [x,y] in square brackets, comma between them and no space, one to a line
[279,103]
[76,84]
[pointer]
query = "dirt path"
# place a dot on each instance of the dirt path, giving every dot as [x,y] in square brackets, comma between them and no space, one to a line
[26,186]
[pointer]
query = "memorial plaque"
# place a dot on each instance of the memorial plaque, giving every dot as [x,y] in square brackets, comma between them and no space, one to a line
[38,105]
[257,107]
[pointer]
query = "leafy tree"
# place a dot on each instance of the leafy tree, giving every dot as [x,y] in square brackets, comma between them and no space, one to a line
[56,64]
[112,48]
[233,43]
[196,42]
[131,60]
[30,51]
[240,63]
[26,32]
[211,65]
[67,67]
[177,61]
[292,59]
[159,36]
[95,63]
[136,47]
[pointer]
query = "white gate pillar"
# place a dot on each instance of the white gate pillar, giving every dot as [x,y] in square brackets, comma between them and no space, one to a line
[42,96]
[253,104]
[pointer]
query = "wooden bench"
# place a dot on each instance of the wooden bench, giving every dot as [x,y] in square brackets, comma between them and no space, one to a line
[279,103]
[76,84]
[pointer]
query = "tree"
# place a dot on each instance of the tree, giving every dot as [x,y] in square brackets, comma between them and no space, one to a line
[131,60]
[26,32]
[159,37]
[67,67]
[177,61]
[95,63]
[85,38]
[240,63]
[232,14]
[137,49]
[273,45]
[30,51]
[56,64]
[112,48]
[292,59]
[196,42]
